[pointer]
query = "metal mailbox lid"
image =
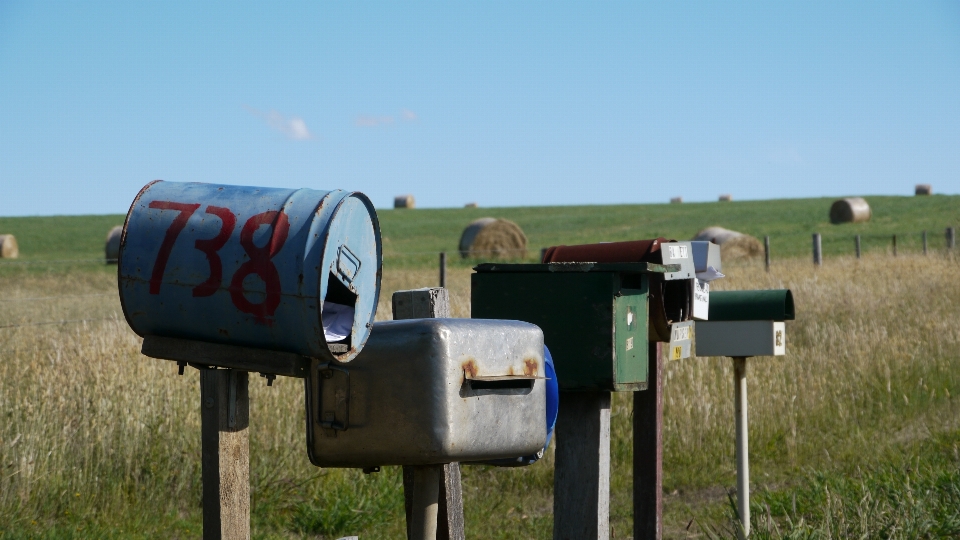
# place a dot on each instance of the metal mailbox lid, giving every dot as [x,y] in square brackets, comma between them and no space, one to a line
[427,391]
[770,305]
[250,266]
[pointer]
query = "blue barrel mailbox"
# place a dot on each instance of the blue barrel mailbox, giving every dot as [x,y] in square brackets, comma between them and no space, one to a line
[294,270]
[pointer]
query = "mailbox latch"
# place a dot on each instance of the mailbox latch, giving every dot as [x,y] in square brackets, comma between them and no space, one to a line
[327,418]
[348,265]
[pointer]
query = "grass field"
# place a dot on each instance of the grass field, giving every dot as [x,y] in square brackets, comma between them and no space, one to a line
[412,238]
[854,433]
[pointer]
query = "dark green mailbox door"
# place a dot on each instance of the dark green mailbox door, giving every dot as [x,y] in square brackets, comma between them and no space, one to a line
[593,316]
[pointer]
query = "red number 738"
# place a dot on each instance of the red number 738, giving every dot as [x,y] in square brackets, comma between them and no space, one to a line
[260,263]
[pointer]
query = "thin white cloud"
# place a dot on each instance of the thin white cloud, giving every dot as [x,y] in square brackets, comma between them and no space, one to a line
[292,127]
[366,120]
[408,115]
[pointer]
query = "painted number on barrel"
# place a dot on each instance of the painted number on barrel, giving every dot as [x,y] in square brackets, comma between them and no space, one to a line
[260,263]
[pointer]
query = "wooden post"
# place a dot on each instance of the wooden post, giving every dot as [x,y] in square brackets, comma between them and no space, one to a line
[857,243]
[951,237]
[581,475]
[924,242]
[224,415]
[443,269]
[648,451]
[817,251]
[766,251]
[894,245]
[446,492]
[743,458]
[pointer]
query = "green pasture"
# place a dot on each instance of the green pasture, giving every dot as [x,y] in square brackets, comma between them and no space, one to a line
[413,237]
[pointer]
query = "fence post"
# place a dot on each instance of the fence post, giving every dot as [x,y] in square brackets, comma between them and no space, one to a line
[950,237]
[857,243]
[443,269]
[924,242]
[817,252]
[766,251]
[894,245]
[743,458]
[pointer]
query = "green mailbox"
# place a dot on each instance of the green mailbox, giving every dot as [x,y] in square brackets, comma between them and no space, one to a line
[745,323]
[595,317]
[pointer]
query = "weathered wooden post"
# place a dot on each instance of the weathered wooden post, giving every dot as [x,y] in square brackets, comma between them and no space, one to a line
[433,494]
[817,250]
[856,242]
[443,269]
[224,415]
[648,451]
[894,245]
[951,237]
[924,242]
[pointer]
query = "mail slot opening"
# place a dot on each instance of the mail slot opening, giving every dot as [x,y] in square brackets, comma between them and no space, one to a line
[512,383]
[338,312]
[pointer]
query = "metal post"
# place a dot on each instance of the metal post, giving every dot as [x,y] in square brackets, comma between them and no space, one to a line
[743,459]
[648,451]
[422,500]
[924,242]
[224,416]
[894,245]
[766,251]
[443,268]
[817,252]
[857,243]
[581,474]
[950,237]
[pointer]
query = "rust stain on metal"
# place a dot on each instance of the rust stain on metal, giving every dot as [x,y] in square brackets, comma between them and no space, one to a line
[510,371]
[530,367]
[470,368]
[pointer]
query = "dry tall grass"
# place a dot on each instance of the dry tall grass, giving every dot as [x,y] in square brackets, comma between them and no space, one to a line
[92,434]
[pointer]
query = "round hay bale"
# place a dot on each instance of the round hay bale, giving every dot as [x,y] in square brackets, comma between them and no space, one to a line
[492,238]
[8,247]
[733,245]
[404,201]
[923,189]
[112,247]
[849,210]
[676,200]
[470,205]
[726,197]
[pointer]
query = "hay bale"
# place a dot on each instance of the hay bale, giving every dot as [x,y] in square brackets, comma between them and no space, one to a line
[492,238]
[8,247]
[112,247]
[726,197]
[676,200]
[733,245]
[849,210]
[404,201]
[470,205]
[923,189]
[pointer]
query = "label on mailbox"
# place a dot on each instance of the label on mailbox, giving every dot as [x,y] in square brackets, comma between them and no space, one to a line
[701,299]
[779,339]
[680,336]
[677,251]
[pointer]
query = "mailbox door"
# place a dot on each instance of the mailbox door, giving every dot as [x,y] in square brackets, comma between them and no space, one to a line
[630,336]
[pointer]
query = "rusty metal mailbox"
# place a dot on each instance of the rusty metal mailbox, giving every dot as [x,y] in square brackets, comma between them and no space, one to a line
[430,391]
[294,270]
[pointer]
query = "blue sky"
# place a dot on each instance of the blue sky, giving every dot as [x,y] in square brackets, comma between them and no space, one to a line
[501,103]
